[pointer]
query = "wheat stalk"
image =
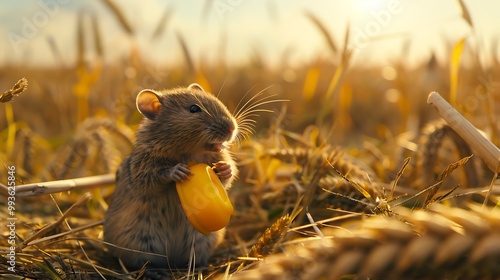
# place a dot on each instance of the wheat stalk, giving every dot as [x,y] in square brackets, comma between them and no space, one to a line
[435,137]
[324,31]
[465,13]
[442,176]
[266,243]
[23,150]
[441,243]
[119,15]
[162,24]
[17,89]
[187,55]
[93,144]
[96,31]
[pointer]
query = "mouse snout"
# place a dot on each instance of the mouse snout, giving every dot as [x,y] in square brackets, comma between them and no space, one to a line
[229,128]
[232,128]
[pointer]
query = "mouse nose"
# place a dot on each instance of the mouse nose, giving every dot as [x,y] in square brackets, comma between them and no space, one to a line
[231,127]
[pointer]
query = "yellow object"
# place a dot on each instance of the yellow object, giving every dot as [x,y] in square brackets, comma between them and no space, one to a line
[204,199]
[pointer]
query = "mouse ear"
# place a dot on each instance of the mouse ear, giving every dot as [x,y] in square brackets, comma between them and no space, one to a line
[148,103]
[195,86]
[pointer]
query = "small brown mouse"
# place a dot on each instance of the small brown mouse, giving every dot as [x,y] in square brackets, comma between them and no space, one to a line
[145,220]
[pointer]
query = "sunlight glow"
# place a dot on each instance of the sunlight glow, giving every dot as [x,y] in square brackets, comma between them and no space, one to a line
[382,11]
[362,9]
[368,5]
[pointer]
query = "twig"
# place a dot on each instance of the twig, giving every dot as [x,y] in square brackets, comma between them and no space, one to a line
[86,197]
[61,185]
[58,235]
[82,200]
[490,189]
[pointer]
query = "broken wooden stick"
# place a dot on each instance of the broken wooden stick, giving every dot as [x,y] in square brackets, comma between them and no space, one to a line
[61,185]
[484,148]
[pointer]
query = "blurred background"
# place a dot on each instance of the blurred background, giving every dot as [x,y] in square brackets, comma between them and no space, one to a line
[357,70]
[232,31]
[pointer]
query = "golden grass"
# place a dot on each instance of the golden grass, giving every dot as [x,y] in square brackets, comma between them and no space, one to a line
[119,15]
[442,242]
[336,169]
[455,58]
[17,89]
[278,168]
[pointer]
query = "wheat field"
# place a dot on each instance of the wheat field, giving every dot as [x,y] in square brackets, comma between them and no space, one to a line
[347,175]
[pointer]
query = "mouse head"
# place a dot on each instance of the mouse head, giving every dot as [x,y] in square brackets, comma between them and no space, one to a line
[186,119]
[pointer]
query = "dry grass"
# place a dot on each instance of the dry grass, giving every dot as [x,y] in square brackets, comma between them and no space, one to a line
[441,243]
[385,191]
[17,89]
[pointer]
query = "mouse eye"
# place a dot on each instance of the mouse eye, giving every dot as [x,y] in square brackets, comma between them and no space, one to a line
[195,109]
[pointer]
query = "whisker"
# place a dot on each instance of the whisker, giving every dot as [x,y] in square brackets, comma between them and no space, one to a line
[221,87]
[253,109]
[237,140]
[242,121]
[247,130]
[245,125]
[244,137]
[250,113]
[261,102]
[251,99]
[254,99]
[239,103]
[247,120]
[245,113]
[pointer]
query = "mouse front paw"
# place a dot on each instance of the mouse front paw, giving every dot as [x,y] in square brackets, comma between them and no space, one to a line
[223,170]
[179,173]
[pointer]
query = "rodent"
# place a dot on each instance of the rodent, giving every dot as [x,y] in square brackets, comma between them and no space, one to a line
[181,125]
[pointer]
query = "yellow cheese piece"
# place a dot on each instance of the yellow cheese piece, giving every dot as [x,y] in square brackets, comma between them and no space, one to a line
[204,199]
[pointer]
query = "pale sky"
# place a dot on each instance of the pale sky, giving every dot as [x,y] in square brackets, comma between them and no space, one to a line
[379,28]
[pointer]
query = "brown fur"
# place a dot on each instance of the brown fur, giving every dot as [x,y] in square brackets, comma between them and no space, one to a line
[145,213]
